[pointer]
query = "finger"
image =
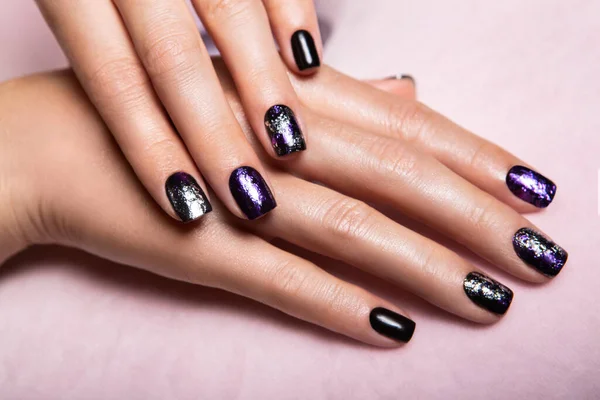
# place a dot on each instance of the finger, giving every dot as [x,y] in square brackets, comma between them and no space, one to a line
[258,71]
[383,170]
[301,289]
[386,170]
[121,229]
[483,163]
[295,26]
[109,70]
[171,49]
[349,230]
[400,85]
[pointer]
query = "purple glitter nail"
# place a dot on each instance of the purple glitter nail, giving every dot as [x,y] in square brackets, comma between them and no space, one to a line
[284,131]
[530,186]
[542,254]
[251,192]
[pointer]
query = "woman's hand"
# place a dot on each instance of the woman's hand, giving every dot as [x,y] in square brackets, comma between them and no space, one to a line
[76,189]
[135,58]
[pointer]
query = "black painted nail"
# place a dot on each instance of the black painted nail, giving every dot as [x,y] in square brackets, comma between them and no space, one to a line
[284,131]
[187,197]
[251,192]
[540,253]
[305,51]
[487,293]
[530,186]
[402,76]
[392,325]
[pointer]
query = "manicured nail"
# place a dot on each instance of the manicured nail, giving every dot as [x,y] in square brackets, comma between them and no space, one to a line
[187,197]
[530,186]
[284,131]
[305,51]
[540,253]
[402,76]
[251,192]
[392,325]
[487,293]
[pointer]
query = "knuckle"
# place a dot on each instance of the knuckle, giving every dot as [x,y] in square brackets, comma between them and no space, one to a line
[478,216]
[335,296]
[429,263]
[407,119]
[483,155]
[174,54]
[260,74]
[348,219]
[287,280]
[120,78]
[289,283]
[217,10]
[200,266]
[160,147]
[393,157]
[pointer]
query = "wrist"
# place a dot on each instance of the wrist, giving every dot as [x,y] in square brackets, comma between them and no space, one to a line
[11,239]
[16,187]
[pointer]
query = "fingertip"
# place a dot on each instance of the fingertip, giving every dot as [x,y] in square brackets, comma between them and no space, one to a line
[392,327]
[284,131]
[306,56]
[400,85]
[188,200]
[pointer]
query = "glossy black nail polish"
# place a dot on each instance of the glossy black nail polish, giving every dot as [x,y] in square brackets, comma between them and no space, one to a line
[305,51]
[542,254]
[251,192]
[284,131]
[392,325]
[403,77]
[408,78]
[187,197]
[487,293]
[530,186]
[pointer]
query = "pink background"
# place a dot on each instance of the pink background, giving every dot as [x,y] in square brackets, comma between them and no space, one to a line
[523,73]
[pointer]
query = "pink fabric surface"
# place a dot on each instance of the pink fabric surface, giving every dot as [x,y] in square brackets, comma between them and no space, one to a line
[521,73]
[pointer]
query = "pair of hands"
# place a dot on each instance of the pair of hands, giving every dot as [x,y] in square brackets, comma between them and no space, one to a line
[368,146]
[137,58]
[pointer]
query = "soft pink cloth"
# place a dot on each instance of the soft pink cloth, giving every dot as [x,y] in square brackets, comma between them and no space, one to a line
[524,74]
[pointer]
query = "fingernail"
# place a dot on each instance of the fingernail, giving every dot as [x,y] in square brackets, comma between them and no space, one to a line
[530,186]
[403,76]
[284,131]
[540,253]
[251,192]
[392,325]
[187,197]
[305,51]
[487,293]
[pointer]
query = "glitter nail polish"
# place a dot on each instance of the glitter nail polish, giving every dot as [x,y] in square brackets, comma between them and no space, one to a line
[530,186]
[187,197]
[540,253]
[487,293]
[284,131]
[392,325]
[251,192]
[305,51]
